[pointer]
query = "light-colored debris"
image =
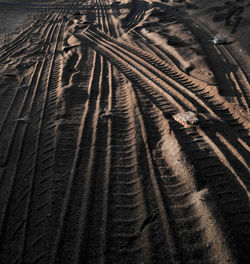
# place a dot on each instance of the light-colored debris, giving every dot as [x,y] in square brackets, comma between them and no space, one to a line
[26,118]
[186,118]
[219,39]
[106,114]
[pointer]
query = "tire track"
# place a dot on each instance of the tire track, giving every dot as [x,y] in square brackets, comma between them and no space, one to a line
[176,185]
[20,42]
[188,83]
[16,228]
[9,113]
[75,104]
[87,133]
[185,95]
[113,29]
[126,203]
[70,132]
[92,237]
[103,173]
[225,151]
[136,15]
[105,18]
[162,81]
[147,45]
[243,185]
[237,121]
[92,246]
[218,55]
[40,216]
[237,77]
[23,35]
[228,193]
[127,71]
[18,107]
[131,207]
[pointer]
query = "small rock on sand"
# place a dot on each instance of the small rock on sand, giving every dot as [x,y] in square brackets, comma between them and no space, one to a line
[186,118]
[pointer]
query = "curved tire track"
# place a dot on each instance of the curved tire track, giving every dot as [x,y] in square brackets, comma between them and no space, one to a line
[103,173]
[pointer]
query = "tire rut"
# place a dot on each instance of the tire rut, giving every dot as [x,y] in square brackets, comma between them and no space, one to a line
[227,115]
[187,220]
[19,231]
[130,204]
[94,168]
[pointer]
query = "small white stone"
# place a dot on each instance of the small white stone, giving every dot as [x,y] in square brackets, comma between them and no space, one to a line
[186,118]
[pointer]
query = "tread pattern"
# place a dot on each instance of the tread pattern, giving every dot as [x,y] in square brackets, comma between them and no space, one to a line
[93,166]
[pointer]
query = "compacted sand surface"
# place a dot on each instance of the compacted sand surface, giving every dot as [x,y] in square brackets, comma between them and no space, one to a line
[124,132]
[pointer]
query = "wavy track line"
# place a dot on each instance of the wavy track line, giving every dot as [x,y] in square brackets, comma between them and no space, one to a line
[139,10]
[150,82]
[178,191]
[201,102]
[67,196]
[22,111]
[169,244]
[225,161]
[105,22]
[23,35]
[228,193]
[89,177]
[32,106]
[124,200]
[19,43]
[45,145]
[158,78]
[126,48]
[15,97]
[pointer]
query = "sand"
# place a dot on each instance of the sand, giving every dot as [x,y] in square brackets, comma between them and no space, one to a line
[124,132]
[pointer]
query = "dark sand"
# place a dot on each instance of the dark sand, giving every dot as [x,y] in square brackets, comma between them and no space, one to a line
[124,132]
